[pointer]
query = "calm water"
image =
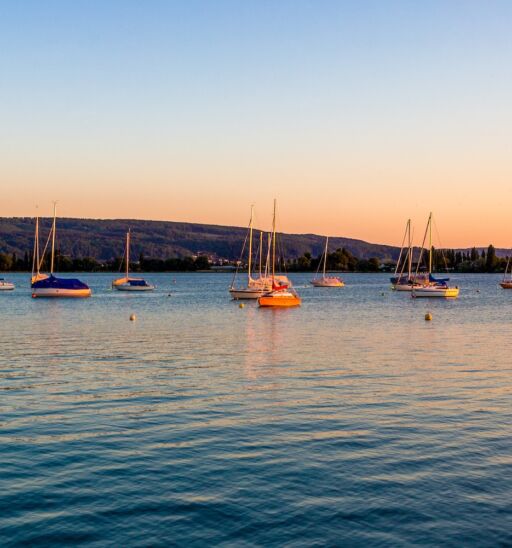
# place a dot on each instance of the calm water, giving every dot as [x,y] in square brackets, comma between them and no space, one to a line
[349,421]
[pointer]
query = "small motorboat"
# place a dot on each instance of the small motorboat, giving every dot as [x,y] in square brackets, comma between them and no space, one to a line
[6,285]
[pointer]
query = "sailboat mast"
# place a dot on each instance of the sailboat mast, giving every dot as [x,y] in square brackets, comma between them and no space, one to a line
[274,243]
[430,243]
[506,269]
[410,248]
[53,236]
[35,255]
[325,253]
[261,249]
[267,258]
[249,264]
[127,252]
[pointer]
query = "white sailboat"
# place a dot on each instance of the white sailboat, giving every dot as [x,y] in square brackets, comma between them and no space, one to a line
[129,283]
[255,287]
[407,282]
[5,285]
[43,285]
[506,283]
[326,281]
[436,288]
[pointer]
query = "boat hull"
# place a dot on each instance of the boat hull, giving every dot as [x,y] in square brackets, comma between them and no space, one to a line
[6,286]
[65,293]
[127,287]
[436,292]
[506,285]
[281,299]
[327,282]
[407,287]
[239,294]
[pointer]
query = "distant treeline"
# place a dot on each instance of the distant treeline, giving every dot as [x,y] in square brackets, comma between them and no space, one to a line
[442,259]
[472,261]
[339,260]
[64,263]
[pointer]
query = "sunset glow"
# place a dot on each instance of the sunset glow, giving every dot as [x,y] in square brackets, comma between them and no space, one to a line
[354,116]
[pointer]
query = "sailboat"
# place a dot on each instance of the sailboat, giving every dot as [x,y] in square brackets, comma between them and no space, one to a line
[255,287]
[282,294]
[407,282]
[129,283]
[436,287]
[326,281]
[49,285]
[506,283]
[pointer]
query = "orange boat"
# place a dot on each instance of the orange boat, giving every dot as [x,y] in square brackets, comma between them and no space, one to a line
[281,295]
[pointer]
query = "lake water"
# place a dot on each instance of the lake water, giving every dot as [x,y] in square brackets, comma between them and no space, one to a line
[349,421]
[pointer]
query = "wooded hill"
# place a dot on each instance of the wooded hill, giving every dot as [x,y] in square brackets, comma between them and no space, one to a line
[104,239]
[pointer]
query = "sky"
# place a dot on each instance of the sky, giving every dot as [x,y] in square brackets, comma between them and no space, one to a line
[355,115]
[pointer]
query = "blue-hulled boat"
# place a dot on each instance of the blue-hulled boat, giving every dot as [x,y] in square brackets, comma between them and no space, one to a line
[44,285]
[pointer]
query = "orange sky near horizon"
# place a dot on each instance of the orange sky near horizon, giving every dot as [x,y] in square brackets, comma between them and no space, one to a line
[356,116]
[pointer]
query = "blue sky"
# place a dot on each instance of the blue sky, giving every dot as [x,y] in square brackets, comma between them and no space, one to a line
[346,111]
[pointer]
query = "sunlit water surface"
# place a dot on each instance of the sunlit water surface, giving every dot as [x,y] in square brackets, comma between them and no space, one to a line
[348,421]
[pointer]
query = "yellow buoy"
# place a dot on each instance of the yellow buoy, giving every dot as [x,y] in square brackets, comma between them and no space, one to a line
[133,317]
[241,305]
[428,316]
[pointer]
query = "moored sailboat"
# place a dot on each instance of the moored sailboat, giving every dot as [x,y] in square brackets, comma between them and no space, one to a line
[282,294]
[255,287]
[407,282]
[506,283]
[129,283]
[436,288]
[326,281]
[50,285]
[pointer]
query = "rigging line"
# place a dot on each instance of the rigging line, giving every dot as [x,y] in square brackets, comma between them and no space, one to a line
[401,248]
[122,259]
[421,251]
[41,261]
[239,262]
[319,263]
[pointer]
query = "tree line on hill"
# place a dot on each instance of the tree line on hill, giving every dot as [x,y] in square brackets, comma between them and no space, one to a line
[442,259]
[339,260]
[63,263]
